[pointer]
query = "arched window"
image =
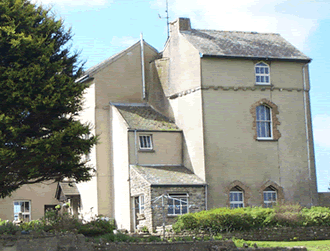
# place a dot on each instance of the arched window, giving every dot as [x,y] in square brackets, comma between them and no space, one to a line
[264,122]
[270,196]
[236,197]
[262,74]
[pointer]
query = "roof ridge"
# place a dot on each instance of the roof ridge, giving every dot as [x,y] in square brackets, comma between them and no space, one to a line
[249,32]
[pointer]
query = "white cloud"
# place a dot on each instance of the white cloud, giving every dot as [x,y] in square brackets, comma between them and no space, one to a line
[71,3]
[123,41]
[293,19]
[321,128]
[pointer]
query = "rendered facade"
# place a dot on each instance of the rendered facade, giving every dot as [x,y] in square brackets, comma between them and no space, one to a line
[216,119]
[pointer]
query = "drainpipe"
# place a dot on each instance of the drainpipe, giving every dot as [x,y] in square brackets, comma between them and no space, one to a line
[135,147]
[205,196]
[142,68]
[307,132]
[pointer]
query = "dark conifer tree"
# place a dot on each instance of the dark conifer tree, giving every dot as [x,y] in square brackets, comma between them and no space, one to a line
[41,138]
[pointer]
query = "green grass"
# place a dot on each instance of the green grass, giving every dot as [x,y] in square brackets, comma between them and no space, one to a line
[310,245]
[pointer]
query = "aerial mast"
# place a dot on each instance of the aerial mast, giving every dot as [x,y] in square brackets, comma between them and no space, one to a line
[167,20]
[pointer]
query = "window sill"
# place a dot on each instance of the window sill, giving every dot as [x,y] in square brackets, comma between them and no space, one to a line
[266,139]
[147,150]
[263,84]
[173,215]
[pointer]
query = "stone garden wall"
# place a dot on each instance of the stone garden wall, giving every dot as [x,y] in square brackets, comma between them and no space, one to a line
[72,242]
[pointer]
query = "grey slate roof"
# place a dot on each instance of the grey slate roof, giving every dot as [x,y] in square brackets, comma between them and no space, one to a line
[168,175]
[69,188]
[242,44]
[144,117]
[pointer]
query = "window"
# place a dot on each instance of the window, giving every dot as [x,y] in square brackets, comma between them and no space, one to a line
[141,204]
[236,197]
[146,142]
[270,197]
[22,209]
[262,74]
[177,204]
[264,122]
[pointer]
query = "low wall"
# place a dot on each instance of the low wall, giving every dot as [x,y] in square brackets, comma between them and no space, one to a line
[282,234]
[70,242]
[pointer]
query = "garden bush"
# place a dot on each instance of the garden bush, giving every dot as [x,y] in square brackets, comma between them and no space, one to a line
[226,220]
[7,227]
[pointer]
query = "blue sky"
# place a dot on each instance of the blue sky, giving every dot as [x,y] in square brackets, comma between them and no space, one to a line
[102,28]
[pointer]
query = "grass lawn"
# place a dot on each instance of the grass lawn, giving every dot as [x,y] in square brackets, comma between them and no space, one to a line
[310,245]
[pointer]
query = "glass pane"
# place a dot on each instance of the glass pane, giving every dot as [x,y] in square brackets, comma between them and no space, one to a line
[231,197]
[26,218]
[184,209]
[27,207]
[267,79]
[257,79]
[177,209]
[141,142]
[274,197]
[267,113]
[262,79]
[266,70]
[257,70]
[268,129]
[262,70]
[240,197]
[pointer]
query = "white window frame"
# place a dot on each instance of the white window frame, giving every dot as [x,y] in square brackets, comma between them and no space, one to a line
[16,217]
[269,122]
[145,142]
[176,201]
[141,204]
[236,203]
[270,203]
[260,70]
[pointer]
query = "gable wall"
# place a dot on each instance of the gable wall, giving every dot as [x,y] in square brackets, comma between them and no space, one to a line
[121,82]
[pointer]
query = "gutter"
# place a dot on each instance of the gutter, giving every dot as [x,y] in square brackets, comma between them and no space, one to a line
[255,58]
[178,185]
[83,79]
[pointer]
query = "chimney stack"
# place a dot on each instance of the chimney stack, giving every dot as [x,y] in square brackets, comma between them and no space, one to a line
[180,24]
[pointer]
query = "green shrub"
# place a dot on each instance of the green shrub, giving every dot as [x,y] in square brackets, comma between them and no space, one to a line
[226,220]
[97,227]
[7,227]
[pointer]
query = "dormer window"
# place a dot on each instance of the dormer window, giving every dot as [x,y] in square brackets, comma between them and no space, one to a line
[262,74]
[145,142]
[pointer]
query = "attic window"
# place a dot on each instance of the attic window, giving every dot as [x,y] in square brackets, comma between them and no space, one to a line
[262,74]
[145,142]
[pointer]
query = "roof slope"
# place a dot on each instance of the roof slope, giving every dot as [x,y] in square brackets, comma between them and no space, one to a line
[168,175]
[144,117]
[69,188]
[242,44]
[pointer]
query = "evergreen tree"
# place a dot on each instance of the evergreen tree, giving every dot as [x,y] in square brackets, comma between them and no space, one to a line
[41,138]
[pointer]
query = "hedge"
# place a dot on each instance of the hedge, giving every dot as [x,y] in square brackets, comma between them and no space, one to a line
[226,220]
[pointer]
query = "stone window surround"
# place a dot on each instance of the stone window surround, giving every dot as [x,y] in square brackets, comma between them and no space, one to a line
[273,185]
[274,111]
[245,189]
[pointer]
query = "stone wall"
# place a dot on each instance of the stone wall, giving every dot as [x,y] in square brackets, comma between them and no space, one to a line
[277,234]
[283,234]
[71,242]
[196,202]
[324,199]
[139,186]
